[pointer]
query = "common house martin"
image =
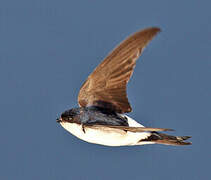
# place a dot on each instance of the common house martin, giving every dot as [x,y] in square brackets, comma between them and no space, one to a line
[100,117]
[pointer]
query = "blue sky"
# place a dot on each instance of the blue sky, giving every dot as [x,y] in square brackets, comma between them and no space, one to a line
[48,48]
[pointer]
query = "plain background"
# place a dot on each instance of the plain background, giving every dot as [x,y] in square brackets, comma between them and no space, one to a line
[49,47]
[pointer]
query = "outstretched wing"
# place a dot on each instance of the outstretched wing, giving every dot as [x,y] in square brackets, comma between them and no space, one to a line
[106,86]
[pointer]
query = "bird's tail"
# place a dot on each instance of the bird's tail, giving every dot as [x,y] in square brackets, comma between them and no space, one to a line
[160,138]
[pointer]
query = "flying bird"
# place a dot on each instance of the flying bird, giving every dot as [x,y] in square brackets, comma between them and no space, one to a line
[100,117]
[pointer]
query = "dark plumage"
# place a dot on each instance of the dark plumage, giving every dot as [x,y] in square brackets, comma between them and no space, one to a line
[94,115]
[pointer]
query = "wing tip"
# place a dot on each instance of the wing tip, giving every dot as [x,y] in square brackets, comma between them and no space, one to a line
[154,29]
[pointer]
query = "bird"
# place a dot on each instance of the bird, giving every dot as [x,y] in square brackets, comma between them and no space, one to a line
[101,116]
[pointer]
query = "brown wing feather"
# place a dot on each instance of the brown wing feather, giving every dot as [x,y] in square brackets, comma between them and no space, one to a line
[131,129]
[106,86]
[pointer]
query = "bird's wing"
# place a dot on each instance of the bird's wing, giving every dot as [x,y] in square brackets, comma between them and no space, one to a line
[106,85]
[127,128]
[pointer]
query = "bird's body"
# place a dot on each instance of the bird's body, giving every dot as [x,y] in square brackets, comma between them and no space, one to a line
[100,119]
[103,134]
[108,136]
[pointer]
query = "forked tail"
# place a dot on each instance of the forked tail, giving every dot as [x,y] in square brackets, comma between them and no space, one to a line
[160,138]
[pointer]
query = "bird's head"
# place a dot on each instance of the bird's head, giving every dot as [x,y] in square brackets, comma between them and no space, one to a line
[68,116]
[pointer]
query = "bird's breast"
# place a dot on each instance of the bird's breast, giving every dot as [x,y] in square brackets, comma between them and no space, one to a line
[103,136]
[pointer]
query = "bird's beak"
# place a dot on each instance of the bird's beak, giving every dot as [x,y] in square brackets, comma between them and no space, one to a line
[59,120]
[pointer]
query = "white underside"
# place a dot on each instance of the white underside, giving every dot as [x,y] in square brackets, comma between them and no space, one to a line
[109,136]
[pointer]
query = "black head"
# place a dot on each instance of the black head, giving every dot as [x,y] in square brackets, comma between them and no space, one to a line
[69,115]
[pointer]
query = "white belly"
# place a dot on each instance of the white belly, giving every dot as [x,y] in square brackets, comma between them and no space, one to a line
[108,136]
